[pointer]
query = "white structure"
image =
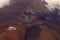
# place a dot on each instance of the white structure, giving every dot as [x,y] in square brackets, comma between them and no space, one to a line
[11,28]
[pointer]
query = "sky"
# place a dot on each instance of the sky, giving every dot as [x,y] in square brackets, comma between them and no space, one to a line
[53,3]
[4,3]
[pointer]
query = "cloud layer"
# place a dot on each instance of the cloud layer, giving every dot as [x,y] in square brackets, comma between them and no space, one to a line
[53,3]
[4,3]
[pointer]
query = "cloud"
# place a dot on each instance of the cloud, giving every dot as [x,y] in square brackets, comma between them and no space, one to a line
[53,3]
[4,3]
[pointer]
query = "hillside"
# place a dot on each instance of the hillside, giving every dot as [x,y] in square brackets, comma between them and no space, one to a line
[23,14]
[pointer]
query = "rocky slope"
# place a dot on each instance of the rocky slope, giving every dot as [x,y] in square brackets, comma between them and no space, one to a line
[14,15]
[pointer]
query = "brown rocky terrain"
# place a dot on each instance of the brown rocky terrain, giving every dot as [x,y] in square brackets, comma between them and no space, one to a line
[13,23]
